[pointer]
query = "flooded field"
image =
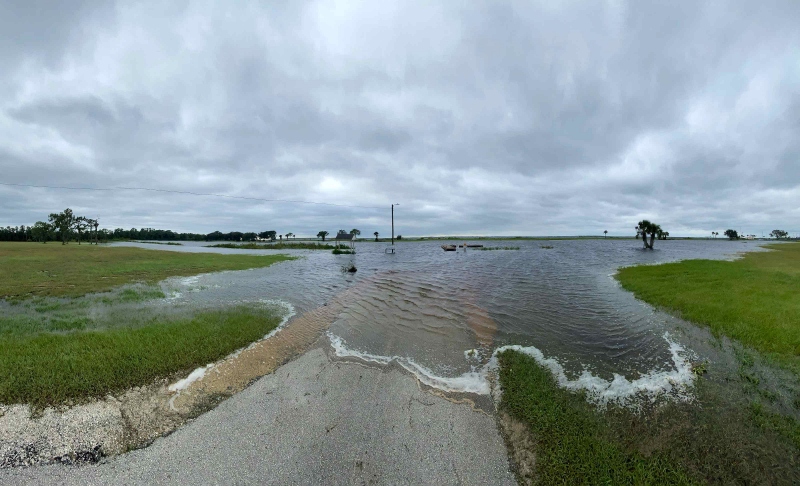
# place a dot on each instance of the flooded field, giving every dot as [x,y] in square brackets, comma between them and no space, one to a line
[441,315]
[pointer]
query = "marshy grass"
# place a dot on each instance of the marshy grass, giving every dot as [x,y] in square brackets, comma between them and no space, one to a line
[490,248]
[35,269]
[75,365]
[753,300]
[275,246]
[573,444]
[716,438]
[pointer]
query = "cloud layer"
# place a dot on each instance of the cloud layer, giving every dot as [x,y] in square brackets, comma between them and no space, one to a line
[477,117]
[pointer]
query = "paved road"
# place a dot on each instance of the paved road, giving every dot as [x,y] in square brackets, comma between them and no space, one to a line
[313,421]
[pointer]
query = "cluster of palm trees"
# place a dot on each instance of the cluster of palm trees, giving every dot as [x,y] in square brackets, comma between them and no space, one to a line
[645,228]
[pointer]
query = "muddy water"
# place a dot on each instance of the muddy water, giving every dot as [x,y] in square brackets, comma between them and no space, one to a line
[442,314]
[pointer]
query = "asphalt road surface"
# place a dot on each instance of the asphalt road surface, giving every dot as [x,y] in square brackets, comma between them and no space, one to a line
[313,421]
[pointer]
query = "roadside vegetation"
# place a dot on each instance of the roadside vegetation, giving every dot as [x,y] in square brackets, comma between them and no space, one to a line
[45,367]
[71,271]
[753,299]
[715,439]
[573,444]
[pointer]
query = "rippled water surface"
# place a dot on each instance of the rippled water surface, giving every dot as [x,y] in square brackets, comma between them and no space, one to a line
[428,307]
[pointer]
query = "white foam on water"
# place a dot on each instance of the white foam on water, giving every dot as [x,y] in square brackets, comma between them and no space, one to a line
[199,373]
[674,383]
[670,383]
[195,375]
[470,382]
[187,281]
[290,312]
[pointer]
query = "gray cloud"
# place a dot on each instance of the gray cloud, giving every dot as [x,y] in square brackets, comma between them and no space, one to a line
[478,118]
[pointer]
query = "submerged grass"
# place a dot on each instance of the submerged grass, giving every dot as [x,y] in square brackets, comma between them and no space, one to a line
[275,246]
[55,368]
[573,443]
[715,439]
[753,300]
[34,269]
[490,248]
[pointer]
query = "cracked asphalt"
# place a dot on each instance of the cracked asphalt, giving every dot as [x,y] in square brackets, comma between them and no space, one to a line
[313,421]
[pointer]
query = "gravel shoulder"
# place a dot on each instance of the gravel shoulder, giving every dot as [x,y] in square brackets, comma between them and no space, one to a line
[314,420]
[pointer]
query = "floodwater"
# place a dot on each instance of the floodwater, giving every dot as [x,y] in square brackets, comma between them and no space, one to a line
[441,315]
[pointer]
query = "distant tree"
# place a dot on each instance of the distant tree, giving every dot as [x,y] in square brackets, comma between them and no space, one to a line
[399,237]
[645,228]
[779,234]
[342,232]
[81,225]
[41,231]
[63,222]
[322,234]
[355,233]
[93,224]
[732,234]
[376,235]
[605,233]
[270,235]
[281,238]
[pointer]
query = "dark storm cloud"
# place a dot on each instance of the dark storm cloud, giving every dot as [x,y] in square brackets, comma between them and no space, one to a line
[478,118]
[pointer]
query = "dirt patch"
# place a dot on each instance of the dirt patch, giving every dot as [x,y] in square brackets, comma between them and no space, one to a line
[521,447]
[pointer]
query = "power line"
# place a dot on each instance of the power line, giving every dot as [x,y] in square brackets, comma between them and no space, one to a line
[120,188]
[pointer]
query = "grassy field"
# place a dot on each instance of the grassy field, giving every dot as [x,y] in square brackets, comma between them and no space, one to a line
[753,300]
[52,368]
[59,345]
[35,269]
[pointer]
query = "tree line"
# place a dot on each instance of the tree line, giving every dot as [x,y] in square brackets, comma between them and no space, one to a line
[66,226]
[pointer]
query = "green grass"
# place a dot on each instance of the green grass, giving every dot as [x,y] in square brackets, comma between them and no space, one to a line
[753,300]
[573,444]
[35,269]
[52,368]
[781,424]
[275,246]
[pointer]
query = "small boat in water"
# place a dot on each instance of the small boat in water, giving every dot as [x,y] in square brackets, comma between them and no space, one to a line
[449,247]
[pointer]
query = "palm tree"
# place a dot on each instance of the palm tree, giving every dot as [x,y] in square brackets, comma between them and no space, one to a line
[355,233]
[322,234]
[645,228]
[605,233]
[376,235]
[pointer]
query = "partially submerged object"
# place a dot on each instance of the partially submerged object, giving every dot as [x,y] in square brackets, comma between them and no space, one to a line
[449,247]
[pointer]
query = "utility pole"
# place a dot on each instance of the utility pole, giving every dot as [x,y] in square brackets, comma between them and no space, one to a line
[393,224]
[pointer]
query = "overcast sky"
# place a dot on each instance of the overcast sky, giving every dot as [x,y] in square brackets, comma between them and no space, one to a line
[501,118]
